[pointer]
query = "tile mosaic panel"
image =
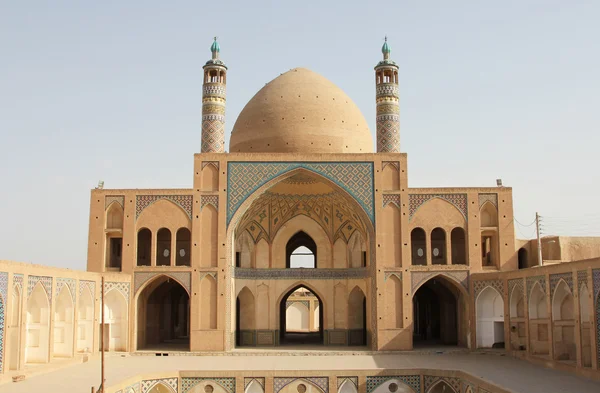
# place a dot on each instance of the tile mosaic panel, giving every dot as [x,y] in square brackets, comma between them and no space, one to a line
[183,201]
[467,387]
[416,200]
[2,322]
[123,287]
[596,282]
[483,198]
[4,285]
[515,283]
[187,383]
[391,198]
[17,280]
[46,283]
[243,178]
[70,283]
[321,382]
[91,285]
[353,380]
[555,278]
[460,276]
[209,200]
[248,381]
[480,285]
[139,279]
[536,279]
[120,199]
[414,381]
[309,274]
[148,384]
[582,276]
[429,381]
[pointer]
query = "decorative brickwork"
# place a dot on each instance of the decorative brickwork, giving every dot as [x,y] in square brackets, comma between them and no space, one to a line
[120,199]
[536,279]
[389,274]
[391,198]
[413,381]
[582,276]
[209,200]
[46,283]
[183,201]
[213,163]
[4,285]
[321,382]
[187,383]
[352,380]
[481,285]
[148,384]
[248,381]
[483,198]
[307,274]
[460,277]
[430,381]
[457,200]
[122,287]
[140,279]
[18,280]
[566,277]
[596,282]
[517,282]
[243,178]
[91,285]
[70,283]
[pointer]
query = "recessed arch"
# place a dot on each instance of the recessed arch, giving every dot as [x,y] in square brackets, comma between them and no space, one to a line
[523,258]
[183,238]
[357,317]
[163,247]
[294,386]
[438,247]
[517,300]
[254,387]
[347,387]
[144,247]
[114,216]
[458,241]
[37,342]
[393,303]
[161,387]
[489,307]
[64,311]
[441,386]
[209,233]
[538,321]
[116,318]
[14,330]
[208,303]
[537,303]
[563,317]
[418,246]
[300,293]
[301,251]
[391,225]
[245,317]
[85,321]
[488,215]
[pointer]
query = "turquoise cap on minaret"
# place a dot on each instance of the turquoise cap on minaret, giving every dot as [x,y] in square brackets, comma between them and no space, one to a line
[385,49]
[215,46]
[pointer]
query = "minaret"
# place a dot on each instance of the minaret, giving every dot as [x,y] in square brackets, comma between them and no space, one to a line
[388,108]
[213,103]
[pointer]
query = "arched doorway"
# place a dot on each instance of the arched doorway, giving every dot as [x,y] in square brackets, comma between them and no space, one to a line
[357,317]
[522,256]
[245,318]
[490,319]
[297,313]
[164,316]
[437,312]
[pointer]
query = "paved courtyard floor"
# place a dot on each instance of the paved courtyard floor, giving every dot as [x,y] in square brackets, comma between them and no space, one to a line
[510,373]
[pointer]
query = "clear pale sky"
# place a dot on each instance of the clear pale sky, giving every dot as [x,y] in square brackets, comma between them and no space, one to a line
[106,90]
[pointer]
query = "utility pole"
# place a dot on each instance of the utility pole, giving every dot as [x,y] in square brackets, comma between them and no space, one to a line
[539,240]
[101,390]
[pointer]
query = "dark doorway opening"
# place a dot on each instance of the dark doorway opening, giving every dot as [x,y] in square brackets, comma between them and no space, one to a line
[163,316]
[523,263]
[300,323]
[435,314]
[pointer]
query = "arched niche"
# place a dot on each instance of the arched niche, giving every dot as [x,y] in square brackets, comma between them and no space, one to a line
[294,387]
[261,254]
[63,324]
[144,247]
[301,251]
[357,251]
[340,310]
[523,258]
[116,320]
[418,246]
[442,387]
[563,317]
[263,307]
[161,387]
[14,328]
[347,387]
[210,178]
[183,247]
[490,318]
[114,217]
[395,385]
[163,247]
[163,213]
[488,215]
[85,322]
[518,336]
[313,230]
[37,342]
[517,303]
[393,303]
[357,317]
[244,249]
[340,254]
[458,241]
[391,235]
[254,387]
[390,181]
[438,247]
[538,321]
[204,386]
[209,234]
[537,303]
[245,318]
[208,303]
[297,318]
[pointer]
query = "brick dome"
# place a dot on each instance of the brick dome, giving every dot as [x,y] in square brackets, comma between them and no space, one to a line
[301,112]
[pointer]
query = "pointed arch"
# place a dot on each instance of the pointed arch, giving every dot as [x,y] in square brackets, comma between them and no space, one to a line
[537,303]
[562,302]
[85,321]
[183,240]
[357,317]
[304,243]
[294,386]
[489,307]
[37,342]
[283,303]
[114,216]
[161,387]
[356,250]
[563,318]
[390,180]
[538,321]
[517,300]
[116,319]
[396,385]
[64,311]
[441,386]
[144,247]
[210,178]
[458,242]
[208,303]
[254,387]
[209,234]
[347,386]
[488,215]
[340,258]
[244,250]
[418,246]
[245,317]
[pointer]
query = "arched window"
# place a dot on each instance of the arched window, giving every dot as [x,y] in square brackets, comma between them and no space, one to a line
[183,239]
[438,247]
[523,263]
[301,251]
[417,241]
[144,244]
[458,241]
[163,247]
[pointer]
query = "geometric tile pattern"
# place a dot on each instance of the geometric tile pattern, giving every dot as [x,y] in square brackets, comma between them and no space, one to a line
[3,285]
[46,283]
[213,133]
[388,133]
[468,387]
[148,384]
[248,381]
[536,279]
[481,284]
[70,283]
[307,274]
[140,279]
[596,282]
[461,276]
[321,382]
[483,198]
[183,201]
[243,178]
[581,279]
[120,199]
[555,278]
[209,200]
[414,381]
[2,316]
[353,380]
[187,383]
[123,287]
[17,280]
[391,198]
[91,285]
[416,200]
[517,282]
[388,112]
[429,381]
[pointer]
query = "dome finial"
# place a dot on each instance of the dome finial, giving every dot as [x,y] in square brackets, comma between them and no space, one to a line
[385,49]
[215,49]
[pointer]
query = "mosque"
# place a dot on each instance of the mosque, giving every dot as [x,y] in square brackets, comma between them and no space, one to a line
[306,234]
